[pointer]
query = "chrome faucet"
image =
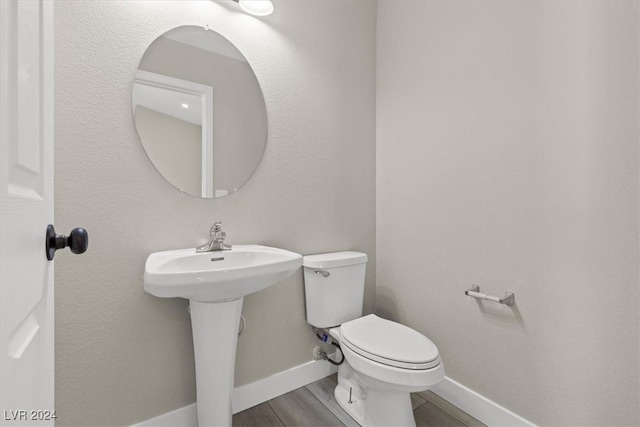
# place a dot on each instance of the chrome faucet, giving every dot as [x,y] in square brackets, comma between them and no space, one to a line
[216,240]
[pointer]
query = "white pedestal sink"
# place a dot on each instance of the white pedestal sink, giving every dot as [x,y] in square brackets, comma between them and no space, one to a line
[215,284]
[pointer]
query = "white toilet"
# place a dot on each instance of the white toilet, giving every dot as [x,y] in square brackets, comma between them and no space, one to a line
[384,360]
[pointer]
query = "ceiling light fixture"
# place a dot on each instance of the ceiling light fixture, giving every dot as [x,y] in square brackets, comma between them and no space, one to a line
[256,7]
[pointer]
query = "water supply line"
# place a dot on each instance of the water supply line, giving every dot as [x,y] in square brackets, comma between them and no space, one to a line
[327,339]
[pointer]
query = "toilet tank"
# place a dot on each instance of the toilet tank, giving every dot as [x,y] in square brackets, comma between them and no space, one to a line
[334,287]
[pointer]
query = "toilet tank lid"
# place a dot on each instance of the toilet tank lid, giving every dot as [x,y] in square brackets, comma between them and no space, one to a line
[334,259]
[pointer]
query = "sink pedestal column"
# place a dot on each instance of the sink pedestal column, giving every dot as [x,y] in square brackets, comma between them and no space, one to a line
[215,337]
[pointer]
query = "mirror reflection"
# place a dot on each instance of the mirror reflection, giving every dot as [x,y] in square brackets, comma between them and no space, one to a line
[199,112]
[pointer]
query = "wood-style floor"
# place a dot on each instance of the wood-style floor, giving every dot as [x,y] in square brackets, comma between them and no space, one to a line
[314,405]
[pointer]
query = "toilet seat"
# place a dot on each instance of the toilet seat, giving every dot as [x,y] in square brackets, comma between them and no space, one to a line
[389,343]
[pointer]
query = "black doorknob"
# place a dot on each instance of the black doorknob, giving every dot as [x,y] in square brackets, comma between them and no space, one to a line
[77,241]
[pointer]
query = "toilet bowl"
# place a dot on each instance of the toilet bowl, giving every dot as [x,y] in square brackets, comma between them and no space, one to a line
[384,360]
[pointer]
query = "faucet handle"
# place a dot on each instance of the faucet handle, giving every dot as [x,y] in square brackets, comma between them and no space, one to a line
[216,227]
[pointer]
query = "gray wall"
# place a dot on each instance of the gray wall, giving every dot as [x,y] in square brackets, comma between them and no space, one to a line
[121,355]
[507,156]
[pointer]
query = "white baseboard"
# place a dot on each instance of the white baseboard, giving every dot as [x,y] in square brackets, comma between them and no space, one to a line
[249,395]
[478,406]
[187,416]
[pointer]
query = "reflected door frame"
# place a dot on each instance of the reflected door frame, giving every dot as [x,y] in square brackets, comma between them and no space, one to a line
[152,81]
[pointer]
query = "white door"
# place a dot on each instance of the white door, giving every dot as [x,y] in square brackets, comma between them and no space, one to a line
[26,181]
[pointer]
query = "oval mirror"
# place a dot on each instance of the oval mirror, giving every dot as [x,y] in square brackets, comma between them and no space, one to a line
[199,112]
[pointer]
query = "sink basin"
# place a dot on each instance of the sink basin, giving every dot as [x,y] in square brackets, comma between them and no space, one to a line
[219,275]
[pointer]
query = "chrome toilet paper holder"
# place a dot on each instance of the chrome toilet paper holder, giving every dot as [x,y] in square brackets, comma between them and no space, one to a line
[508,298]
